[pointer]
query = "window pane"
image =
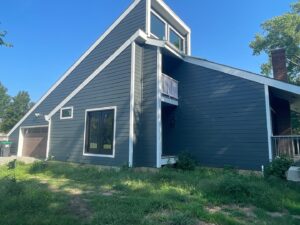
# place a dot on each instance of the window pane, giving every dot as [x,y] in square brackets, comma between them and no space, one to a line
[65,113]
[100,130]
[157,27]
[176,40]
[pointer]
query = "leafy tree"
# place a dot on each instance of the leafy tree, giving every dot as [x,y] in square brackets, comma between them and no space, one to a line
[281,32]
[18,107]
[4,100]
[2,42]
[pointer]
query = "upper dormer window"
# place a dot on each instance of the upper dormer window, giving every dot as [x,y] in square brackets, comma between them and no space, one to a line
[158,27]
[162,30]
[176,39]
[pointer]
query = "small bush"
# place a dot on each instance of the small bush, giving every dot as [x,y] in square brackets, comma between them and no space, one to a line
[235,188]
[185,161]
[278,167]
[38,166]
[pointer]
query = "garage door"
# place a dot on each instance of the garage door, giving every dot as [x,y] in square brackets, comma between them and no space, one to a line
[35,142]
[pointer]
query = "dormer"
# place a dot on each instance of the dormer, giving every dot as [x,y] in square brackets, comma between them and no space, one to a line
[163,24]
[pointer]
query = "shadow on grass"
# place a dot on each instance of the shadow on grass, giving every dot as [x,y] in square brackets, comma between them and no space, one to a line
[168,196]
[31,202]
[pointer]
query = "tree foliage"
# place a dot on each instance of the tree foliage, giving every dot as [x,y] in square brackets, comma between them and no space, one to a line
[2,41]
[4,100]
[281,32]
[16,109]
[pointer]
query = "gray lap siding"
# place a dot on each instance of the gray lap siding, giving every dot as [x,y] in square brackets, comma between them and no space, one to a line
[131,23]
[109,88]
[221,119]
[144,153]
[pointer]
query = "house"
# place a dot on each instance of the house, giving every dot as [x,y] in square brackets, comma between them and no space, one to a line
[3,137]
[137,97]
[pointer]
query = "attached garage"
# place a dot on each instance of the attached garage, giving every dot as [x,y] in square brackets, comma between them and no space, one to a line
[33,142]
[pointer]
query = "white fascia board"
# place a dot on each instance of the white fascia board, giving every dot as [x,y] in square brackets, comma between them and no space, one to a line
[136,36]
[70,70]
[245,74]
[163,44]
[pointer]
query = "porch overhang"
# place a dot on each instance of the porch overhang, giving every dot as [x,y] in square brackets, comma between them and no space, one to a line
[292,98]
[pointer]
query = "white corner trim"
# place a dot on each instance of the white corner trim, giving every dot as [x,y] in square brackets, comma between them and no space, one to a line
[244,74]
[269,121]
[138,34]
[114,135]
[131,114]
[68,72]
[158,111]
[66,118]
[48,139]
[20,142]
[148,17]
[189,44]
[21,137]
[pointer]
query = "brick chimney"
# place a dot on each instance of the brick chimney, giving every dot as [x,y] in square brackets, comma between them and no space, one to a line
[279,64]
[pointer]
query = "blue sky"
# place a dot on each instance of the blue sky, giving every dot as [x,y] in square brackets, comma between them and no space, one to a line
[49,36]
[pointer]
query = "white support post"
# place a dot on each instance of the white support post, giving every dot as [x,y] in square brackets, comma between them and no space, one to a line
[158,111]
[269,122]
[131,119]
[148,17]
[48,139]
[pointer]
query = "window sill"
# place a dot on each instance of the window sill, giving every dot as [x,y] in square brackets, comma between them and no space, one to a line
[98,155]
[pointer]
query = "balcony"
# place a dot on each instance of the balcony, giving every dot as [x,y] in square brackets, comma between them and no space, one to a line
[169,89]
[287,145]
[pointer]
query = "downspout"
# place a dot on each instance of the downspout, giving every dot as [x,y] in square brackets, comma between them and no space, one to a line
[47,118]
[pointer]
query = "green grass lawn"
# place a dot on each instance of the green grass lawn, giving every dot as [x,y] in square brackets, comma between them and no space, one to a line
[61,193]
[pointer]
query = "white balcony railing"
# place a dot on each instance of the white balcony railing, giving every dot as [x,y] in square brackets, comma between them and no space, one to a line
[286,145]
[169,86]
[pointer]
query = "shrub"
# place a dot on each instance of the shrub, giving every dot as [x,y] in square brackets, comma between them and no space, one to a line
[185,161]
[234,188]
[278,167]
[38,166]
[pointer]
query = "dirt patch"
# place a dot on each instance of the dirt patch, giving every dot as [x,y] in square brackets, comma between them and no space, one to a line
[226,209]
[248,211]
[213,209]
[80,208]
[280,214]
[204,223]
[27,160]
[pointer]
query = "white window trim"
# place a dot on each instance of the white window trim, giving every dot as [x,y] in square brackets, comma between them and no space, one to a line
[114,135]
[21,138]
[183,39]
[162,20]
[69,117]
